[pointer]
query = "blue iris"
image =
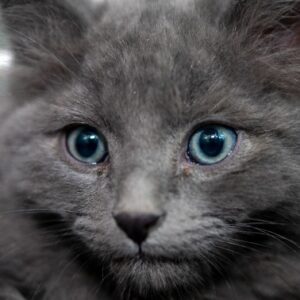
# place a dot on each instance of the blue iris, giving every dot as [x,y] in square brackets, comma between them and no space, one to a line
[87,145]
[211,144]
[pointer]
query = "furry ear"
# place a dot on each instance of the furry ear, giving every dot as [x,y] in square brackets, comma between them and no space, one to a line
[274,21]
[269,32]
[46,39]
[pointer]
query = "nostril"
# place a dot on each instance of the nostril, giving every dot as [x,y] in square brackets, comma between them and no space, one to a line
[136,225]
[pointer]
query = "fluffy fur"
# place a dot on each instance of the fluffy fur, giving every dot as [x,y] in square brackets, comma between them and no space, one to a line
[146,74]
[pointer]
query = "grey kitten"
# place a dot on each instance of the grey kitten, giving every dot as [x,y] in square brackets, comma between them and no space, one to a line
[150,150]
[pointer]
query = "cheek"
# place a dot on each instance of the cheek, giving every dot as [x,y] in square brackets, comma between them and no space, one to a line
[249,180]
[256,187]
[191,226]
[40,176]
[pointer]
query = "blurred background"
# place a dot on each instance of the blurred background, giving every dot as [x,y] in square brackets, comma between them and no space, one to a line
[5,55]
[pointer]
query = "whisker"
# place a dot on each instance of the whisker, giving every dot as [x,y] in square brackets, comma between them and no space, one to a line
[33,211]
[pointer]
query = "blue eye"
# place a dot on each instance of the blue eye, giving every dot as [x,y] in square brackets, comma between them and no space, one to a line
[87,145]
[211,144]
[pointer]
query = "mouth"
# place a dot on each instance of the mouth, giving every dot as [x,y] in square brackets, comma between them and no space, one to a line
[144,263]
[147,258]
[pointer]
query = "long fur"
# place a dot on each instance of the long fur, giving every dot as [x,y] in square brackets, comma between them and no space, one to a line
[147,74]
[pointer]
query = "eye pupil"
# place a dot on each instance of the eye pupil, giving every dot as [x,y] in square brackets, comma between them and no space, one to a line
[211,142]
[87,143]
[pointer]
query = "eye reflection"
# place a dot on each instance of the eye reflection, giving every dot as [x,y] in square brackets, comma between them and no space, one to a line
[87,145]
[211,144]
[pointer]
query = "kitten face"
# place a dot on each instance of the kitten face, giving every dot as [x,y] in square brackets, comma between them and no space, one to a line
[147,86]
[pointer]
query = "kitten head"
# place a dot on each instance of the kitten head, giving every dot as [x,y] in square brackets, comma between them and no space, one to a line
[163,138]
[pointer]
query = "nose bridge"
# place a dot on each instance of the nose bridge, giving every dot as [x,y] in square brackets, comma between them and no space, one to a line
[139,209]
[144,140]
[139,193]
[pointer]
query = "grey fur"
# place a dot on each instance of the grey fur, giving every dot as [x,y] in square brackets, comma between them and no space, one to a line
[146,74]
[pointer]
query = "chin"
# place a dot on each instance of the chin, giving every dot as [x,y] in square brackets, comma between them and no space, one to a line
[150,277]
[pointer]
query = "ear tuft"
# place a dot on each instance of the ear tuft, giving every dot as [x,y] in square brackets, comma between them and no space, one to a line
[267,32]
[269,20]
[46,39]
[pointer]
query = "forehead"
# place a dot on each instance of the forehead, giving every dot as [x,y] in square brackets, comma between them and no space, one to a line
[153,54]
[155,61]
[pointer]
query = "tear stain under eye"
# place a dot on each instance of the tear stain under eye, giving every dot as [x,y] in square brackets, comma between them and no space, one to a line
[187,171]
[103,169]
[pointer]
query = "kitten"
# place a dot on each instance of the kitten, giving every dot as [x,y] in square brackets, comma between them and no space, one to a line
[150,150]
